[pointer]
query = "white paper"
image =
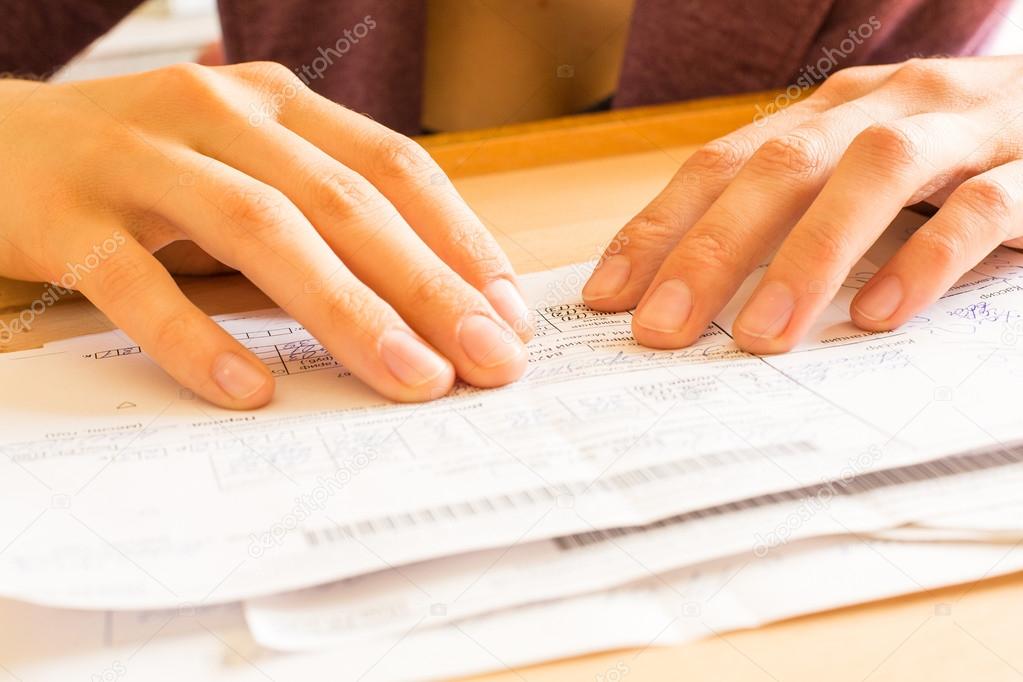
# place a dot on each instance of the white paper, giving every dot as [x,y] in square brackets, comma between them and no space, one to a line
[213,645]
[51,645]
[715,597]
[118,489]
[394,600]
[998,522]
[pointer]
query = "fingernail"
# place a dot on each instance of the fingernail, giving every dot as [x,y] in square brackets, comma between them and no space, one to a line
[237,376]
[408,359]
[508,303]
[608,279]
[668,307]
[880,301]
[486,343]
[768,313]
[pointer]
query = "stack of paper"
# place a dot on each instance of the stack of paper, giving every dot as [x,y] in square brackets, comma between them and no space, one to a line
[631,496]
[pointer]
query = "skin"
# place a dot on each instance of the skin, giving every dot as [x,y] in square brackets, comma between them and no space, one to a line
[819,181]
[357,233]
[348,226]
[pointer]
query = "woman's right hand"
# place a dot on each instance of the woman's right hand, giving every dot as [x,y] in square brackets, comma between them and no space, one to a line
[348,226]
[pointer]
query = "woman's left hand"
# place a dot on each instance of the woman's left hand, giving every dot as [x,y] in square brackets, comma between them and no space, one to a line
[824,178]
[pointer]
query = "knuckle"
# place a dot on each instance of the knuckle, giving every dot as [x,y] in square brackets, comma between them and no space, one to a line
[191,82]
[933,76]
[845,82]
[723,156]
[353,308]
[120,277]
[432,285]
[478,248]
[204,90]
[986,197]
[269,74]
[912,67]
[797,153]
[823,244]
[651,227]
[274,88]
[400,157]
[339,194]
[172,332]
[254,212]
[712,249]
[890,147]
[186,74]
[941,249]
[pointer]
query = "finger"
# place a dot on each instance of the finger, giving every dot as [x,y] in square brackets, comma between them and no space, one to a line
[633,257]
[745,223]
[980,214]
[413,182]
[140,297]
[255,229]
[375,242]
[883,170]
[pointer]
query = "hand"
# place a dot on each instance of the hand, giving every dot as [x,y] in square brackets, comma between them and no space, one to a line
[348,226]
[824,178]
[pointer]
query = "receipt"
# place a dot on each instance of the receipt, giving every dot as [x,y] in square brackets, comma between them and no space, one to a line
[118,489]
[212,643]
[938,493]
[1001,521]
[703,600]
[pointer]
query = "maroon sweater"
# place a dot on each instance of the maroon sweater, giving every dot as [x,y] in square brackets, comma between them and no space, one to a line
[677,49]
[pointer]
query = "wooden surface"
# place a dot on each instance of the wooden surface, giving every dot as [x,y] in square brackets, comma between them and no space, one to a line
[554,193]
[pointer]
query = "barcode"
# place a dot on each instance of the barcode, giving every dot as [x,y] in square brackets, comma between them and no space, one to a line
[625,480]
[953,465]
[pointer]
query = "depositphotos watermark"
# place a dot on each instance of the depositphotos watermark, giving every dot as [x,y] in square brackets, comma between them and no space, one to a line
[314,70]
[309,503]
[63,286]
[812,74]
[814,504]
[569,284]
[114,672]
[350,37]
[572,281]
[615,673]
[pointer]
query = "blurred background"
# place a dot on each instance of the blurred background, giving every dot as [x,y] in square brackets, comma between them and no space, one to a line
[160,32]
[164,32]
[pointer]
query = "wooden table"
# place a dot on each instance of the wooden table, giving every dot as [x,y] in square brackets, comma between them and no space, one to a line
[553,193]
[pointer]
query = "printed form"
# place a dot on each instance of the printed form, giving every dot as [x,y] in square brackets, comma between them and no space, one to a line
[215,643]
[388,603]
[120,490]
[698,601]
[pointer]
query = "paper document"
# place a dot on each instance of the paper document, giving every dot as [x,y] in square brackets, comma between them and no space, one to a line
[118,489]
[392,601]
[998,522]
[692,603]
[213,644]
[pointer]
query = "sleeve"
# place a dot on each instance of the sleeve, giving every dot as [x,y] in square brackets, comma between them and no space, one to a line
[364,54]
[43,35]
[683,50]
